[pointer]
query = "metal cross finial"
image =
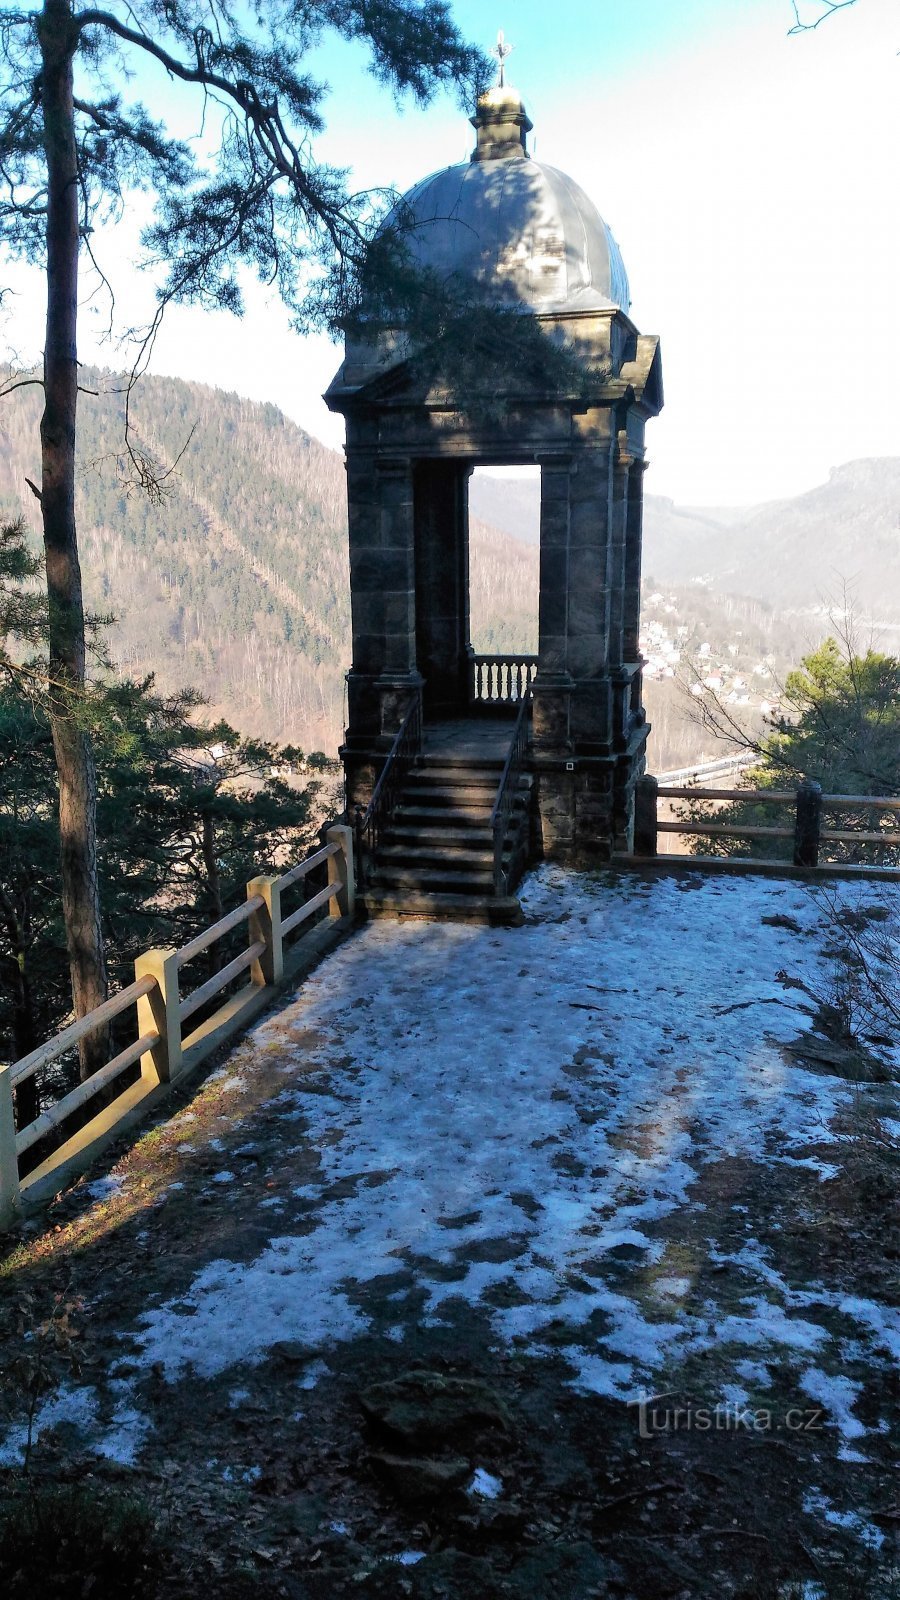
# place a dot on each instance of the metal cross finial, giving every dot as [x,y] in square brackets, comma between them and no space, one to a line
[501,52]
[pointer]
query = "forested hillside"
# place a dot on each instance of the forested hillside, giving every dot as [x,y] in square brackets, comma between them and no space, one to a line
[791,553]
[236,584]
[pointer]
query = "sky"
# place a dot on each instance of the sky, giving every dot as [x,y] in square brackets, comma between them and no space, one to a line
[749,177]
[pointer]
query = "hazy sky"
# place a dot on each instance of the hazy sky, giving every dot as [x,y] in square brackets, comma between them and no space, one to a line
[750,179]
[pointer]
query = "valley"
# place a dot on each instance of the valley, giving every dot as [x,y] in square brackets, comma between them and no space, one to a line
[236,583]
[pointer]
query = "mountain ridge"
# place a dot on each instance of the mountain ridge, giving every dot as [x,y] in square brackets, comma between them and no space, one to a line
[238,582]
[849,526]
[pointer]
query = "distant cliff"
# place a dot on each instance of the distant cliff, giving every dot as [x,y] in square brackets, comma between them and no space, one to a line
[792,553]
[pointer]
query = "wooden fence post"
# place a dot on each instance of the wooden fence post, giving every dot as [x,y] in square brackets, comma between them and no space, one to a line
[159,1011]
[341,872]
[265,924]
[808,824]
[645,798]
[9,1164]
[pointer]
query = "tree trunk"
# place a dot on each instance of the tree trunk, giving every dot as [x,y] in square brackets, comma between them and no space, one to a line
[213,885]
[213,882]
[74,757]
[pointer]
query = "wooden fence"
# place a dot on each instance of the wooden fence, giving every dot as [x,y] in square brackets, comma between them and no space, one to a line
[810,840]
[162,1047]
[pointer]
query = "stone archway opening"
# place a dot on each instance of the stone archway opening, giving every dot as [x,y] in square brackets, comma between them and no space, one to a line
[504,560]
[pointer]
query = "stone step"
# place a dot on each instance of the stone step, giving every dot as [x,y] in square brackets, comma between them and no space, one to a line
[464,794]
[446,878]
[415,815]
[461,763]
[435,834]
[502,912]
[437,854]
[451,777]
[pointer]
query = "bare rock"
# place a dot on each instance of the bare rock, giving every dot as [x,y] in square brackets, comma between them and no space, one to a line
[292,1352]
[417,1478]
[430,1408]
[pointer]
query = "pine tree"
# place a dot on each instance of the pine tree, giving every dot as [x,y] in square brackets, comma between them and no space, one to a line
[841,729]
[187,812]
[70,157]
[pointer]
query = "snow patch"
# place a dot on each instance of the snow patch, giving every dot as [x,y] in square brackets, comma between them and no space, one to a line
[105,1188]
[838,1395]
[120,1440]
[817,1504]
[485,1485]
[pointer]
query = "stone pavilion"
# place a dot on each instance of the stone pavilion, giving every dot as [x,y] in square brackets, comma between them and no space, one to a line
[521,236]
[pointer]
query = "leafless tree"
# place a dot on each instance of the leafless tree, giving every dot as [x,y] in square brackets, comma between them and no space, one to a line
[804,23]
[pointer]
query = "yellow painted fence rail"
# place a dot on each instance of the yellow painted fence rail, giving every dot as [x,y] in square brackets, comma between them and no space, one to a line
[167,1052]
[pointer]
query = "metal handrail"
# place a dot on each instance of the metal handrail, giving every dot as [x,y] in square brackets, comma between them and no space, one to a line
[505,801]
[371,823]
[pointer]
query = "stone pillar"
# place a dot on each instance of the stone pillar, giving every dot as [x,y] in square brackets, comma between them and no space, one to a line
[632,761]
[631,651]
[382,587]
[442,585]
[620,679]
[572,705]
[621,484]
[554,681]
[589,594]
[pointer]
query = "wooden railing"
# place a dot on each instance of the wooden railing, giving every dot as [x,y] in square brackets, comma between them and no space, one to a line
[810,841]
[500,680]
[506,820]
[22,1071]
[371,823]
[161,1047]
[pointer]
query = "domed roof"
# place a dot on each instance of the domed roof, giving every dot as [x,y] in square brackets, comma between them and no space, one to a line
[524,234]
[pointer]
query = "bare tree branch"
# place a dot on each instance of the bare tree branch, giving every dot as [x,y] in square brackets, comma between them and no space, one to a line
[830,7]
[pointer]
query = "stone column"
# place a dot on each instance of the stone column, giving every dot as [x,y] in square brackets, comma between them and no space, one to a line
[619,678]
[631,652]
[635,729]
[554,681]
[572,690]
[382,590]
[618,541]
[442,585]
[589,594]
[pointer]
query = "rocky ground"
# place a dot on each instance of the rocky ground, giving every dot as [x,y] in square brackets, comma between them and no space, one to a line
[549,1261]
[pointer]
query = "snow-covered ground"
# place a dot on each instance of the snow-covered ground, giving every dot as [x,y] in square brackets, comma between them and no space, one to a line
[559,1086]
[523,1120]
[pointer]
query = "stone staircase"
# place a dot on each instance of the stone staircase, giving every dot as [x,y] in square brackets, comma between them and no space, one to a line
[436,857]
